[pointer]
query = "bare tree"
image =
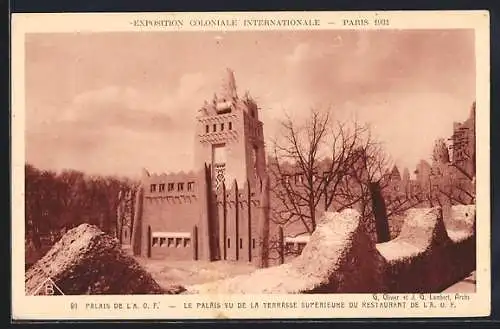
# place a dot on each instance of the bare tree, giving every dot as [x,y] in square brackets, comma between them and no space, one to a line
[456,181]
[327,164]
[453,186]
[453,180]
[376,194]
[309,167]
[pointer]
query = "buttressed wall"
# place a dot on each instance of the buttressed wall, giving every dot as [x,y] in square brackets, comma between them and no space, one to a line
[427,256]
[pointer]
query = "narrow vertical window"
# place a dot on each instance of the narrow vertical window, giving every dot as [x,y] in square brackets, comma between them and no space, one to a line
[253,243]
[207,129]
[228,243]
[153,188]
[241,243]
[230,126]
[222,126]
[214,128]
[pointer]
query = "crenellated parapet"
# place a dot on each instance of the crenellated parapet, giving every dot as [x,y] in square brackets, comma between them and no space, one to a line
[168,185]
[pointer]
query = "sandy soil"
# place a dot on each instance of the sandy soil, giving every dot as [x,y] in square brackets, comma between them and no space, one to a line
[168,272]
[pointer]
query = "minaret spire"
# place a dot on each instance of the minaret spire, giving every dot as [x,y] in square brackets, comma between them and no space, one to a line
[228,88]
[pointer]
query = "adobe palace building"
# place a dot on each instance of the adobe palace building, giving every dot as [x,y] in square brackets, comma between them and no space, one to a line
[211,213]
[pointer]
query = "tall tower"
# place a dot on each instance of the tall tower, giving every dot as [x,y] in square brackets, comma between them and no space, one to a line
[230,136]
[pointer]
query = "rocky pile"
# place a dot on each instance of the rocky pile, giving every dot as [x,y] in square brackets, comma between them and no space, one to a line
[88,261]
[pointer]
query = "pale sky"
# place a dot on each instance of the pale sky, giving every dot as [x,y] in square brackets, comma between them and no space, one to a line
[113,103]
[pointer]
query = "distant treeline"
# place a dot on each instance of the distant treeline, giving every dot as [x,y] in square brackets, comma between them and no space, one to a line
[56,202]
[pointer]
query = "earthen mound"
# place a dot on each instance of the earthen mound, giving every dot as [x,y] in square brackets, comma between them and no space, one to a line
[88,261]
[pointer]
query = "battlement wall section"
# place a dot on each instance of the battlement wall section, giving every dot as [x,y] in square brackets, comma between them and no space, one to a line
[428,256]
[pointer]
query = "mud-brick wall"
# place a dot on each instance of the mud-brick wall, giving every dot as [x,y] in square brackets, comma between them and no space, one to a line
[176,215]
[170,208]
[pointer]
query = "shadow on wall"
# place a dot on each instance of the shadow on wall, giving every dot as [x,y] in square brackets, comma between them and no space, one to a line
[427,256]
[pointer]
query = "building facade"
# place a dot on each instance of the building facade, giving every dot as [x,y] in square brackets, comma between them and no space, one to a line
[211,213]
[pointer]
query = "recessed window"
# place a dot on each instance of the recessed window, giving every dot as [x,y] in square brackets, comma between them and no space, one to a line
[230,126]
[214,129]
[241,243]
[162,242]
[155,242]
[153,188]
[187,242]
[190,186]
[253,243]
[180,187]
[222,126]
[170,187]
[207,129]
[170,242]
[228,243]
[161,187]
[178,242]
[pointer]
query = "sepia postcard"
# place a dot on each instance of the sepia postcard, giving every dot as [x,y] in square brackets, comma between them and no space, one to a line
[250,165]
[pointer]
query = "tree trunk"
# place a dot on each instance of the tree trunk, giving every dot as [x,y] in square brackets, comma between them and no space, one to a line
[119,222]
[137,223]
[380,213]
[281,246]
[264,224]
